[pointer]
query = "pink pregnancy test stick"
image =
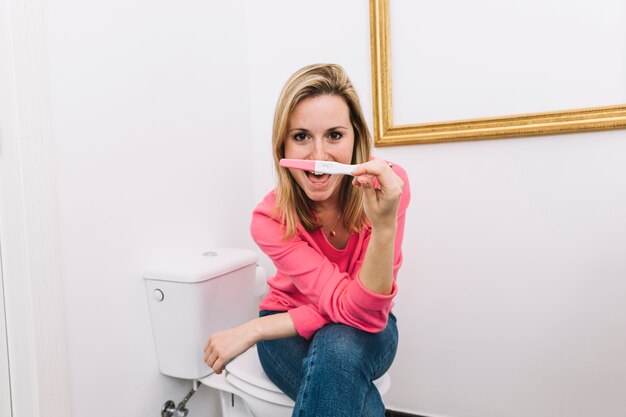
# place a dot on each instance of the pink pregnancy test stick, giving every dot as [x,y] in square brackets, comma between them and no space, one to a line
[319,167]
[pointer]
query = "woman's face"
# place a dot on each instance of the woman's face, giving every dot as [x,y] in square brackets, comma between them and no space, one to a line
[319,128]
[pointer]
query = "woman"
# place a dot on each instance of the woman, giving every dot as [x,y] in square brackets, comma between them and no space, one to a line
[325,330]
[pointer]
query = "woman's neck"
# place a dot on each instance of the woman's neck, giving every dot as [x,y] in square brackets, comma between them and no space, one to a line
[327,207]
[331,205]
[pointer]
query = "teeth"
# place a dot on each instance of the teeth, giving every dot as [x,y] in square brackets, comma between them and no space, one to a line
[318,173]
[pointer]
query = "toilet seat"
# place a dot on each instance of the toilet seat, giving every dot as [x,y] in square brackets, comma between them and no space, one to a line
[246,374]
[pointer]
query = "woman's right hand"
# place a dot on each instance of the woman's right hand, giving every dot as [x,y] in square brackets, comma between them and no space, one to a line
[380,204]
[226,345]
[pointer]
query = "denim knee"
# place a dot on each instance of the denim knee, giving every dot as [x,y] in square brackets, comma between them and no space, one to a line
[342,347]
[351,349]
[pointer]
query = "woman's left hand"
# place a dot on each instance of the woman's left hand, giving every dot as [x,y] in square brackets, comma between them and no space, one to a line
[226,345]
[380,205]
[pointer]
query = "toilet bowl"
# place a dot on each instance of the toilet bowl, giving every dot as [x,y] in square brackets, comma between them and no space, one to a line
[257,395]
[191,296]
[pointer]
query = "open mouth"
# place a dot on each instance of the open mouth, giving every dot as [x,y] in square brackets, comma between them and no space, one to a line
[317,177]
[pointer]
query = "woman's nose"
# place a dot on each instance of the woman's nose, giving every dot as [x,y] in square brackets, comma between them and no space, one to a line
[319,150]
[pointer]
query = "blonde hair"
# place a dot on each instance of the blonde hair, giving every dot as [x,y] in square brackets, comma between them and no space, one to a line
[292,204]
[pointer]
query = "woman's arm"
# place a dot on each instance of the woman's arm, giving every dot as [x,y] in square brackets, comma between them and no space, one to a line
[226,345]
[381,207]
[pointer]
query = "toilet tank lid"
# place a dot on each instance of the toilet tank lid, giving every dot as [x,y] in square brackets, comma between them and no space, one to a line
[199,266]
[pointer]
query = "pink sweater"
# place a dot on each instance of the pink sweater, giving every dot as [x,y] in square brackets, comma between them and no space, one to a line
[317,283]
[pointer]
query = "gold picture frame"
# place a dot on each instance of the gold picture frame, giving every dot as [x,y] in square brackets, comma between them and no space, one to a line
[547,123]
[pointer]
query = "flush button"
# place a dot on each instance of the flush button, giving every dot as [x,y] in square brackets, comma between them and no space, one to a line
[209,253]
[158,295]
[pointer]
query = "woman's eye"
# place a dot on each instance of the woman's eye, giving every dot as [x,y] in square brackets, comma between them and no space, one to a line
[335,135]
[299,137]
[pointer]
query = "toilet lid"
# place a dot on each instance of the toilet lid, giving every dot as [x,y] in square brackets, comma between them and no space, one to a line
[246,373]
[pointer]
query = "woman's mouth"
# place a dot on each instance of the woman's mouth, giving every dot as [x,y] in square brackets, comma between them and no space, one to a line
[317,179]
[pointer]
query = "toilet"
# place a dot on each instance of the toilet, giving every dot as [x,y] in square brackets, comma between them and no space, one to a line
[192,296]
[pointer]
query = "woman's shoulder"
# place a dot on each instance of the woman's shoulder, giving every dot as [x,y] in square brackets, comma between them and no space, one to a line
[268,204]
[265,224]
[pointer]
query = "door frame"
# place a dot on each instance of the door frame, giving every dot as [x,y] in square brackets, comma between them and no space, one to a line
[5,376]
[35,324]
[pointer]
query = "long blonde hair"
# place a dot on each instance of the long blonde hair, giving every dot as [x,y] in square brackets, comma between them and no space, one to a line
[292,204]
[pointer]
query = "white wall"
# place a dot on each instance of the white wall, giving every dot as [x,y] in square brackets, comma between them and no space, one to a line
[511,292]
[149,103]
[510,298]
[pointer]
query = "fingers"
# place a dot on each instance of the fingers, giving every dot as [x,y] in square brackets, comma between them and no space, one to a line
[389,182]
[382,191]
[225,345]
[375,167]
[212,358]
[364,181]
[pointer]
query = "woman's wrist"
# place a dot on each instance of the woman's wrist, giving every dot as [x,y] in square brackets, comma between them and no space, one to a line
[385,228]
[254,329]
[275,326]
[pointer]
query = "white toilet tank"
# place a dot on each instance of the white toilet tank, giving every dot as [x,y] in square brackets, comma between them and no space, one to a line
[191,297]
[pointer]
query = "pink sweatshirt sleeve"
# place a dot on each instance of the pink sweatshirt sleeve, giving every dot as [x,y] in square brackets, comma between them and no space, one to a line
[333,296]
[307,319]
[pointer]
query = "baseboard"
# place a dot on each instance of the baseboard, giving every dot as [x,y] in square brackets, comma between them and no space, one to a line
[391,413]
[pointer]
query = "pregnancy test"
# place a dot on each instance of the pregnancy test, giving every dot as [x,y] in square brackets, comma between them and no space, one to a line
[318,167]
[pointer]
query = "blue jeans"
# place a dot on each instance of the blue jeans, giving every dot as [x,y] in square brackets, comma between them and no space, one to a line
[331,375]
